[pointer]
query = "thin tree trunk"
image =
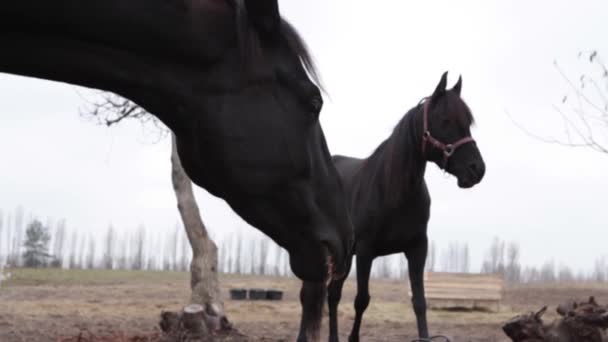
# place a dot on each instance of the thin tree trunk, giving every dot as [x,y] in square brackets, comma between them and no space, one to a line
[204,272]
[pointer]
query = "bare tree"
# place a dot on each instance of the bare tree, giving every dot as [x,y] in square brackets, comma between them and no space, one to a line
[530,275]
[204,282]
[238,255]
[286,269]
[494,262]
[1,228]
[252,256]
[385,268]
[222,254]
[138,248]
[82,252]
[403,273]
[151,248]
[183,265]
[154,255]
[600,270]
[277,260]
[466,259]
[547,272]
[108,252]
[264,242]
[175,241]
[3,250]
[565,274]
[431,258]
[455,258]
[122,262]
[91,254]
[58,242]
[9,239]
[17,237]
[170,251]
[583,111]
[513,267]
[203,268]
[447,258]
[73,254]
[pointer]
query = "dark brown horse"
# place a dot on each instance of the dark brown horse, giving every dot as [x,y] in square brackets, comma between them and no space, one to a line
[230,78]
[389,200]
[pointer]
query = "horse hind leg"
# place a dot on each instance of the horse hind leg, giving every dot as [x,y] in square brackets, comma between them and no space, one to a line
[312,297]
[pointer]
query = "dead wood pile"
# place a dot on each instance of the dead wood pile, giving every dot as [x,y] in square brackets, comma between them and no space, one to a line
[577,322]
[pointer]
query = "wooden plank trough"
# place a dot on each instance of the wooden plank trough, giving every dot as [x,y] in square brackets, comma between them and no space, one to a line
[453,291]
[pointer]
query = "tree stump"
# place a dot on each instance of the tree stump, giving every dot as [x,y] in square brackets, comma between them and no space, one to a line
[579,322]
[193,324]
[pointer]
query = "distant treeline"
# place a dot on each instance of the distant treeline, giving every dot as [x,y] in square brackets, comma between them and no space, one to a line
[31,243]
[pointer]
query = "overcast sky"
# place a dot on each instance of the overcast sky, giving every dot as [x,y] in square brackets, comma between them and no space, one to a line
[378,59]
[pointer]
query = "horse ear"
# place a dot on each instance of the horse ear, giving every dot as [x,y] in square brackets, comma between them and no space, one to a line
[458,86]
[440,90]
[264,15]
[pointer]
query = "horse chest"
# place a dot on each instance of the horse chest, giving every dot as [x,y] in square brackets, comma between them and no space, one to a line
[400,230]
[392,230]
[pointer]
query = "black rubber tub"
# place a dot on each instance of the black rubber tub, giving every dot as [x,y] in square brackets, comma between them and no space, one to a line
[257,294]
[274,295]
[238,294]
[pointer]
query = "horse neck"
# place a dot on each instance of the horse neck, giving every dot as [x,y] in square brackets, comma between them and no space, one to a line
[401,157]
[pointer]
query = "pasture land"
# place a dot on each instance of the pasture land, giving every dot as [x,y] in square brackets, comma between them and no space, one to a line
[47,305]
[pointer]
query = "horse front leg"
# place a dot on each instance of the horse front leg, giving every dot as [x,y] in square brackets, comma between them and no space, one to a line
[333,300]
[416,258]
[312,297]
[364,266]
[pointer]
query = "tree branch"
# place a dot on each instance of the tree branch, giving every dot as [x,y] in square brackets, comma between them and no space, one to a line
[587,120]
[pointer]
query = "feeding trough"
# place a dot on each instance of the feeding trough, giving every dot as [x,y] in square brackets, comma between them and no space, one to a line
[257,294]
[238,294]
[274,295]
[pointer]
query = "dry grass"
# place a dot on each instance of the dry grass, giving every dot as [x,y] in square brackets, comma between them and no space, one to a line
[40,305]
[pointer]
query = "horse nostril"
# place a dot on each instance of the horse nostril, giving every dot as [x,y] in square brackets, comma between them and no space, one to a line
[477,169]
[474,167]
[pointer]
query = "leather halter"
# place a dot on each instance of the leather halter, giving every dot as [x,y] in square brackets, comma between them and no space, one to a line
[447,149]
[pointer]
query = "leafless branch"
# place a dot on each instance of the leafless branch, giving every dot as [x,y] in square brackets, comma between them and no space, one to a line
[586,121]
[111,109]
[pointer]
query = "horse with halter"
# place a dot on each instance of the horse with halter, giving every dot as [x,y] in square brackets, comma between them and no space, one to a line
[389,201]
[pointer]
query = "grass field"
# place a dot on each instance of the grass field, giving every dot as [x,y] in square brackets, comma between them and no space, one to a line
[43,305]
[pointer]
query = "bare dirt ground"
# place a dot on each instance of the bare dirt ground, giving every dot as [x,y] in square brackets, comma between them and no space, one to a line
[56,305]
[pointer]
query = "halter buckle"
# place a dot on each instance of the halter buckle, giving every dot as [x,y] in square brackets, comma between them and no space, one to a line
[448,150]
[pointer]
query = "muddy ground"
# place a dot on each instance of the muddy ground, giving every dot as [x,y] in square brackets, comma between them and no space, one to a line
[54,305]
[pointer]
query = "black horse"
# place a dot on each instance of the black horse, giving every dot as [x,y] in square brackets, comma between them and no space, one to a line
[389,200]
[230,78]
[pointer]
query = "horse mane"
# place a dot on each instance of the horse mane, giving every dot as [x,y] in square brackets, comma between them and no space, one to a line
[392,163]
[250,46]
